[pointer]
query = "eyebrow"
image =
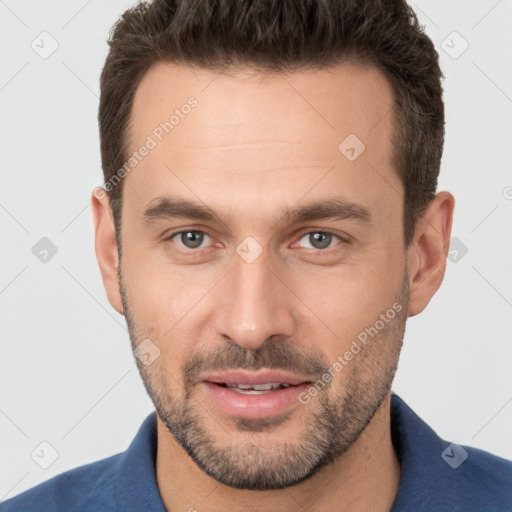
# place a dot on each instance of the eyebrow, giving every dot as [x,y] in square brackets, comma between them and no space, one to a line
[170,207]
[334,208]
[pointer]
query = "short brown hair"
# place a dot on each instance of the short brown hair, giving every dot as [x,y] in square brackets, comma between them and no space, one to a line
[284,35]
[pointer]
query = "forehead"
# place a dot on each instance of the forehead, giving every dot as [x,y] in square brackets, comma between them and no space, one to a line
[264,136]
[323,104]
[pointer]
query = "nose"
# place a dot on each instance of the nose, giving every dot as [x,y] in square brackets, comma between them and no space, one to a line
[254,304]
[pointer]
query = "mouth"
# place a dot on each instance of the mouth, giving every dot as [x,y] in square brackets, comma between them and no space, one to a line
[255,389]
[260,394]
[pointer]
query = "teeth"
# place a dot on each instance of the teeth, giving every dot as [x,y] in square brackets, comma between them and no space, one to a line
[256,389]
[263,387]
[247,391]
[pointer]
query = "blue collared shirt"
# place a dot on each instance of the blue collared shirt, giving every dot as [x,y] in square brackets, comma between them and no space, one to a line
[437,476]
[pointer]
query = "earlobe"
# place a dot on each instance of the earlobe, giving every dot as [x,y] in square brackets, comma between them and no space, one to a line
[106,246]
[428,252]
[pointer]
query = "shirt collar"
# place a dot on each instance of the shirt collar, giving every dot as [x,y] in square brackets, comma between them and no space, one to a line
[419,450]
[417,445]
[136,486]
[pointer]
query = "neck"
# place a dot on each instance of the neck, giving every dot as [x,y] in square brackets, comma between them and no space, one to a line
[365,477]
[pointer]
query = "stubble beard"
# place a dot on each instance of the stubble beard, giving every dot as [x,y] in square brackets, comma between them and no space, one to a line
[334,420]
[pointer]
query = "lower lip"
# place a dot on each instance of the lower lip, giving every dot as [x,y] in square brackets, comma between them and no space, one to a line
[254,406]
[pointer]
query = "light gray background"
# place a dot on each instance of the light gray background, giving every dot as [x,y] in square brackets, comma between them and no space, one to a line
[67,374]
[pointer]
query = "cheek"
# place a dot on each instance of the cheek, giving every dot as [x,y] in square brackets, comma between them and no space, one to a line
[168,307]
[163,294]
[343,302]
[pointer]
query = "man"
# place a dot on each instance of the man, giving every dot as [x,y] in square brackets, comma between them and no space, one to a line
[269,221]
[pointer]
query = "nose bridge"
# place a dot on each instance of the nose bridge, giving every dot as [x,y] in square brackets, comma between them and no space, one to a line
[254,304]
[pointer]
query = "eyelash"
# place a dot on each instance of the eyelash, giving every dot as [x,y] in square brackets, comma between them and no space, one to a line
[300,236]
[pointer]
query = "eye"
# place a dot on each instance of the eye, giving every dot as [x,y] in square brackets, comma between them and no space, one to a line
[320,239]
[189,239]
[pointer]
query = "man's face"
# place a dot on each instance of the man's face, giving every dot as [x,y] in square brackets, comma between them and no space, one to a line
[255,295]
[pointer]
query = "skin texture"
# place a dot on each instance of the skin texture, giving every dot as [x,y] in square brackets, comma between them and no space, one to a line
[255,146]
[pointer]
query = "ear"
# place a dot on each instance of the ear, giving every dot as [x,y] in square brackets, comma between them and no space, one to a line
[106,246]
[426,256]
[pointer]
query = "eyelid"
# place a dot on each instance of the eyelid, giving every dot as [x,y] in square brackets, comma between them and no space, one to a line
[331,231]
[179,232]
[170,233]
[305,231]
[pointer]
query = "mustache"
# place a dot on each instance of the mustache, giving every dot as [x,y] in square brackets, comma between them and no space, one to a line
[272,354]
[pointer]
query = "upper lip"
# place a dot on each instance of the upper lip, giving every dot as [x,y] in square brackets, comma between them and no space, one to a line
[250,377]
